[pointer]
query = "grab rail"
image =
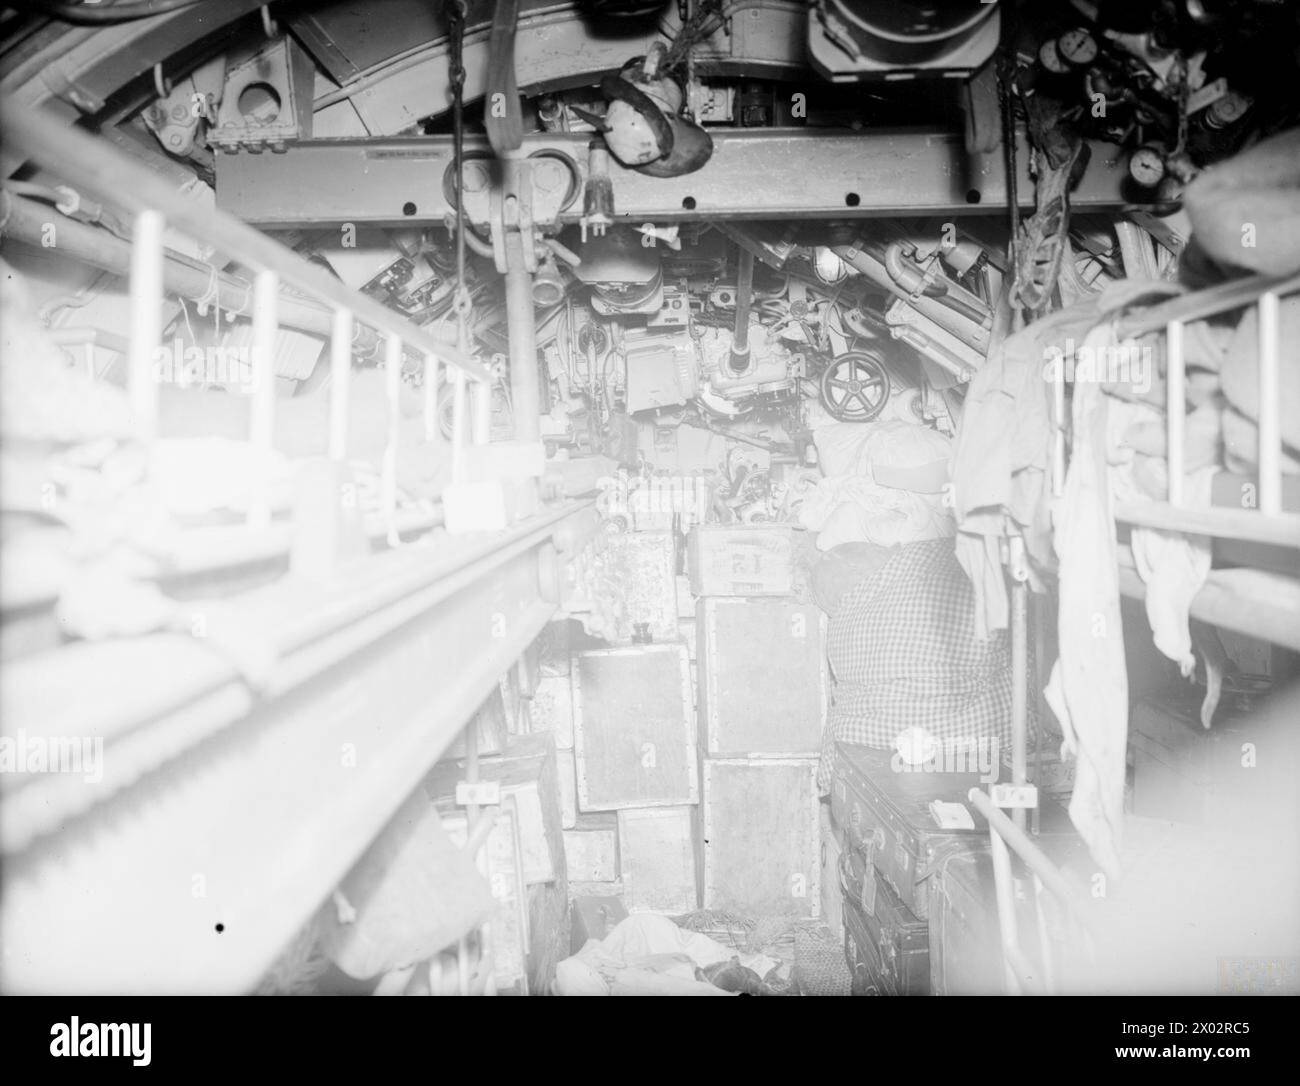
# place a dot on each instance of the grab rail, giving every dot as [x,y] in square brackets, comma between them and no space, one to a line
[1266,522]
[98,170]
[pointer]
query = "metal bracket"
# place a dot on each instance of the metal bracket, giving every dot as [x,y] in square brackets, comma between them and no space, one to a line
[511,212]
[478,793]
[1014,796]
[68,91]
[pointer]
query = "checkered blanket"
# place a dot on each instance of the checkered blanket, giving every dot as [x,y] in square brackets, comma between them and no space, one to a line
[904,655]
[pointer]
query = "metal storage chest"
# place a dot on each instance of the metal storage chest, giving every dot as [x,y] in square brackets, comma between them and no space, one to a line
[634,728]
[760,839]
[763,677]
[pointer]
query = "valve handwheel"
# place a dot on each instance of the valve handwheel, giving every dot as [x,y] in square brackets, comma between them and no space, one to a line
[855,387]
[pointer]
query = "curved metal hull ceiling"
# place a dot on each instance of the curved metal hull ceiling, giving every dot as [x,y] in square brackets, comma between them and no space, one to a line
[388,59]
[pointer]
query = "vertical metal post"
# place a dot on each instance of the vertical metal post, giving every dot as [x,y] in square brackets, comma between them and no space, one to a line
[744,293]
[1058,437]
[340,382]
[481,402]
[521,327]
[1176,404]
[146,320]
[1270,439]
[393,388]
[1044,936]
[1006,909]
[430,398]
[458,410]
[1019,689]
[266,295]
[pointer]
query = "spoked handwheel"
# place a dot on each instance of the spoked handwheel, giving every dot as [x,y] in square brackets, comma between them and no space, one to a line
[855,387]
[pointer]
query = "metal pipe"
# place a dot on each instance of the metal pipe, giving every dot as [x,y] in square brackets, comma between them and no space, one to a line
[89,337]
[340,379]
[430,414]
[525,386]
[1019,689]
[266,290]
[1203,304]
[914,280]
[744,296]
[146,320]
[1006,911]
[1029,852]
[1270,439]
[1044,937]
[973,333]
[480,398]
[95,246]
[1058,435]
[471,772]
[1175,407]
[96,168]
[393,391]
[458,426]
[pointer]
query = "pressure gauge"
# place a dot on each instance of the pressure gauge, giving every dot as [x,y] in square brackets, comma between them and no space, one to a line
[1077,47]
[1051,59]
[1146,167]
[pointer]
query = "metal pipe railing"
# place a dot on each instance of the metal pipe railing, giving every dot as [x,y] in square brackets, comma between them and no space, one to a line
[1006,837]
[107,174]
[1270,434]
[1175,409]
[26,221]
[1267,523]
[146,321]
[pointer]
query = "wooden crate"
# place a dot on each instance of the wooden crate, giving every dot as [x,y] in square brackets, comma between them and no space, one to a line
[591,849]
[634,728]
[551,708]
[596,889]
[763,677]
[656,851]
[527,773]
[760,840]
[685,600]
[567,770]
[489,724]
[644,566]
[501,862]
[749,560]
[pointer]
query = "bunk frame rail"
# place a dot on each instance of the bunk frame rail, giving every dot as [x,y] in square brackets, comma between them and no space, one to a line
[98,171]
[1217,603]
[1267,523]
[151,879]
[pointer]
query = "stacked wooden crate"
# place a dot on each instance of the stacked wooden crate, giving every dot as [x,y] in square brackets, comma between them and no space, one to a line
[694,758]
[762,706]
[624,722]
[524,857]
[637,774]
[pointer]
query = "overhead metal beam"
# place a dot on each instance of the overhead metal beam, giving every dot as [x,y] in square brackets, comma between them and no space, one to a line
[753,174]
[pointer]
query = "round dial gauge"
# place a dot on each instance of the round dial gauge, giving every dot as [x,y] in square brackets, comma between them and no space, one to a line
[1051,59]
[1146,167]
[1077,47]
